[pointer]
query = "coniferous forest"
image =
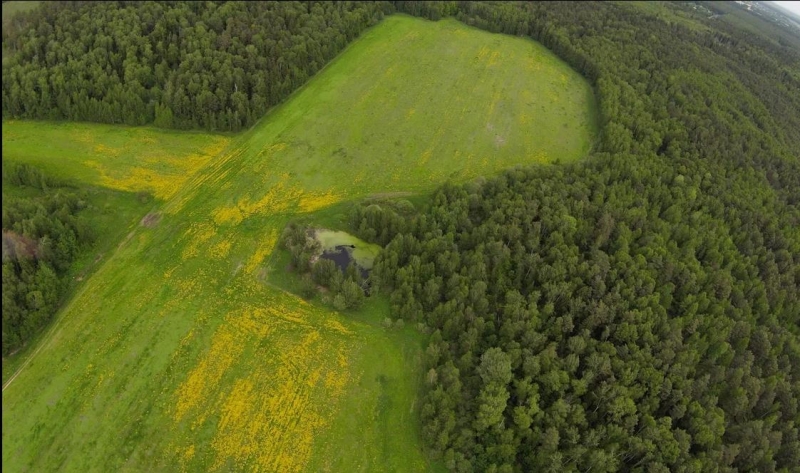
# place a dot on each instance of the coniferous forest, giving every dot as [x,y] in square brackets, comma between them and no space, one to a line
[636,311]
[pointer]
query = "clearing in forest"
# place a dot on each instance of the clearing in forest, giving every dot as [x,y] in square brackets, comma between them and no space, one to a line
[176,355]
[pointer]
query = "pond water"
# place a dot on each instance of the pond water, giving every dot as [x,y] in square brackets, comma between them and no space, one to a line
[342,255]
[361,252]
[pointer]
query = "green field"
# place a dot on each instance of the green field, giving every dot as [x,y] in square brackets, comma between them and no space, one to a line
[177,354]
[123,158]
[12,8]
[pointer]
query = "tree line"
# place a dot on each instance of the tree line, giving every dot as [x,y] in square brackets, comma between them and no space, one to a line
[212,65]
[42,236]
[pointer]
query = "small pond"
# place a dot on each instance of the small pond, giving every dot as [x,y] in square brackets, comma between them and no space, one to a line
[342,255]
[362,252]
[343,248]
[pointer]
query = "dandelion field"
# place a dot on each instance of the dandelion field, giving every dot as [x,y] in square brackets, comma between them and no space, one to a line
[177,355]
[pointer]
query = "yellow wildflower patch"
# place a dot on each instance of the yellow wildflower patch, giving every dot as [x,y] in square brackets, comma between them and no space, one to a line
[188,454]
[254,322]
[336,326]
[275,148]
[163,184]
[269,415]
[425,156]
[494,58]
[142,179]
[277,199]
[168,273]
[227,215]
[225,349]
[221,249]
[264,249]
[483,52]
[105,150]
[269,419]
[198,233]
[335,382]
[312,202]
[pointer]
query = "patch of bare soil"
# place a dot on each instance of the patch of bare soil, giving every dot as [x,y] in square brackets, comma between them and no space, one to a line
[151,220]
[16,246]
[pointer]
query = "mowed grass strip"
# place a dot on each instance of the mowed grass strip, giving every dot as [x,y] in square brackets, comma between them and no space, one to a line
[177,354]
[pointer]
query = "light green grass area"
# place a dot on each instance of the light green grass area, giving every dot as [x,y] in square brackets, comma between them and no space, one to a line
[380,409]
[119,157]
[419,103]
[364,253]
[178,354]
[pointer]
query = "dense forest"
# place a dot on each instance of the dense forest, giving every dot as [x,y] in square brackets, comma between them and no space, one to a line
[41,237]
[638,310]
[212,65]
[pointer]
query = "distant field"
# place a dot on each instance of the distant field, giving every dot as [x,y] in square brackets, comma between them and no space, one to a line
[177,355]
[12,8]
[123,158]
[757,24]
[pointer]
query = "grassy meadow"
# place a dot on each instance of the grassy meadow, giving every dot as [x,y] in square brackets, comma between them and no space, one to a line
[177,354]
[134,159]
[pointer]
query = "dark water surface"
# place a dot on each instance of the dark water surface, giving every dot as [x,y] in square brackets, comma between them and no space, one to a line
[342,256]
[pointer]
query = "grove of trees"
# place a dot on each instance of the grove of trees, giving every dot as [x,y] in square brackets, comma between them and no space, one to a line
[345,289]
[212,65]
[41,238]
